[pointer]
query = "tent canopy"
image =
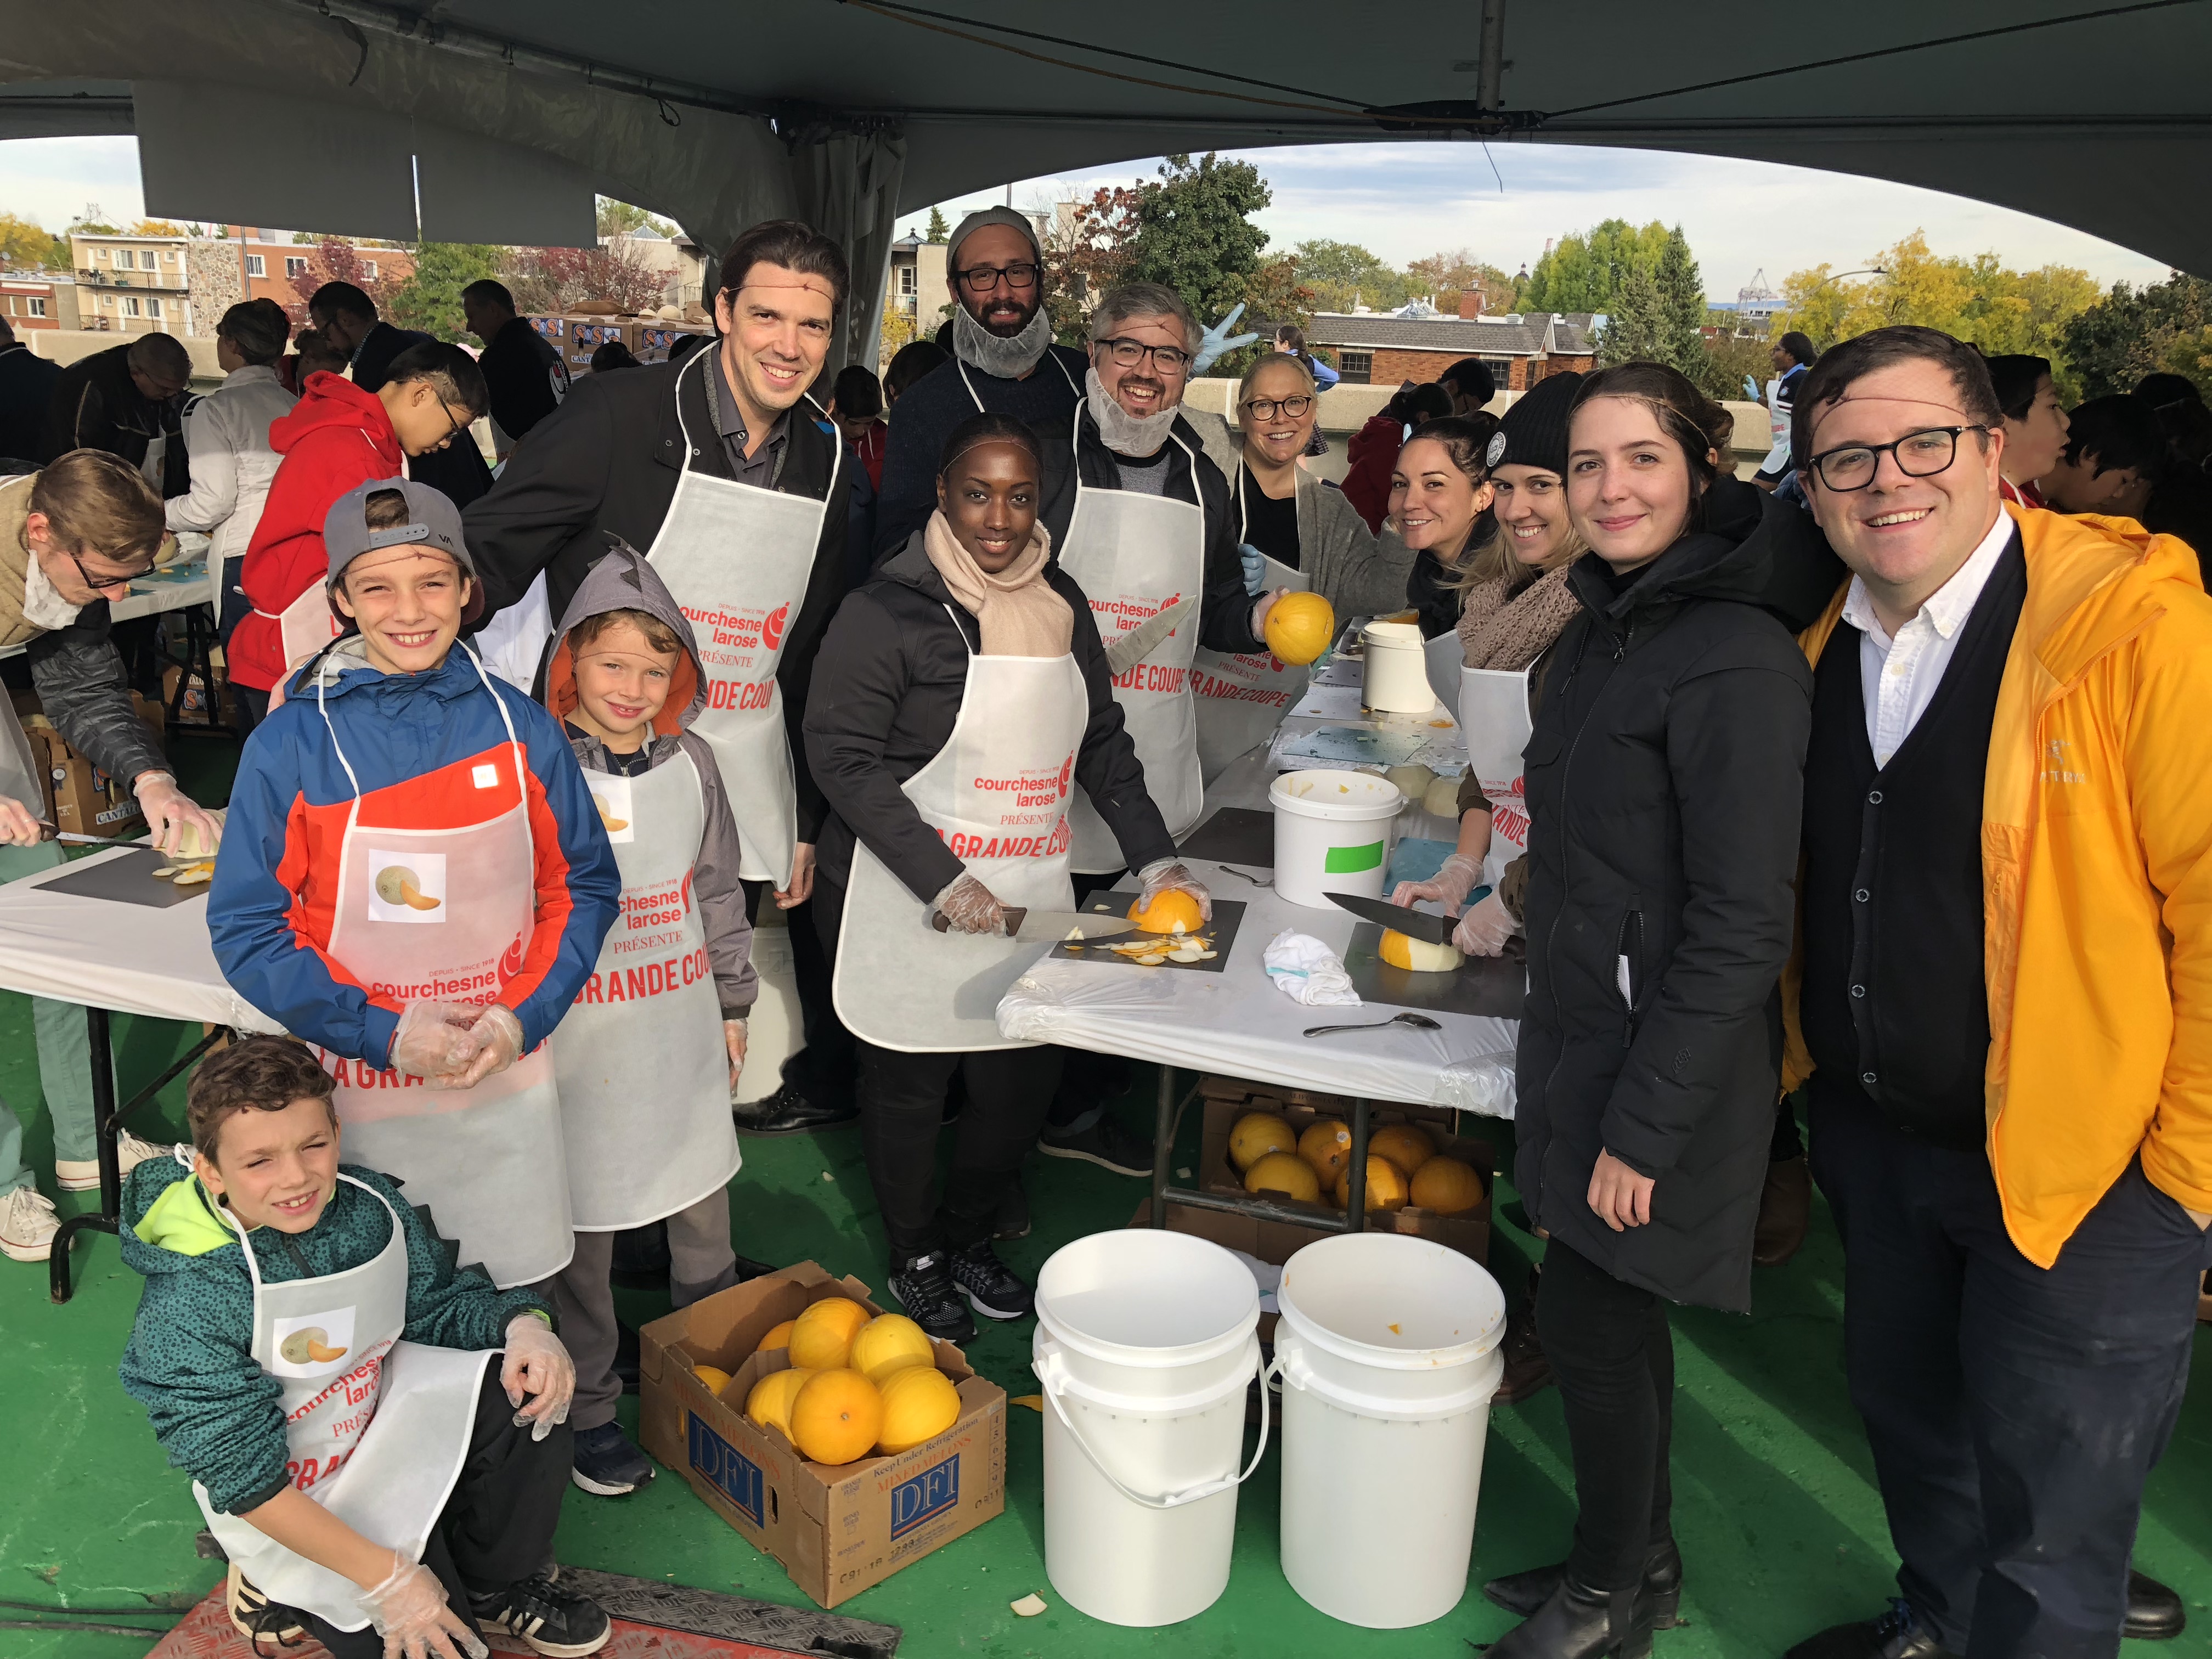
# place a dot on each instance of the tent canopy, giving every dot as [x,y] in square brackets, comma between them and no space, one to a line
[850,112]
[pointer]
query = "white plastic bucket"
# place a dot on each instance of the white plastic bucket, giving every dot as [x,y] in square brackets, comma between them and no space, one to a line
[1388,1350]
[1145,1346]
[1332,833]
[1395,669]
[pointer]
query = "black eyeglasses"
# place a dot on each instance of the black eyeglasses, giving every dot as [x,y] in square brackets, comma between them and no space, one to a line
[1168,360]
[101,584]
[1264,408]
[455,428]
[982,279]
[1919,455]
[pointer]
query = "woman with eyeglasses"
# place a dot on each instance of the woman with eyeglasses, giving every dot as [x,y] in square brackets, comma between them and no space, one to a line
[1664,780]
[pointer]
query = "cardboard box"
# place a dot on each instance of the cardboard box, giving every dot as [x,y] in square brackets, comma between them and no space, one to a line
[1228,1099]
[86,801]
[837,1530]
[195,710]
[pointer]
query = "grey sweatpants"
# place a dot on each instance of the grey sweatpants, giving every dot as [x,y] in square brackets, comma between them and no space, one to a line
[701,1262]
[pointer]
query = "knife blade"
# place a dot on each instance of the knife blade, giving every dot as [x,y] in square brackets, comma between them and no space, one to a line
[1415,924]
[1052,927]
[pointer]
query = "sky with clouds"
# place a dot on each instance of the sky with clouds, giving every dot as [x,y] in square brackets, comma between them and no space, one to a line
[1407,200]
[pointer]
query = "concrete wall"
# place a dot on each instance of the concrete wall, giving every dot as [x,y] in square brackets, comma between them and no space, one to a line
[65,345]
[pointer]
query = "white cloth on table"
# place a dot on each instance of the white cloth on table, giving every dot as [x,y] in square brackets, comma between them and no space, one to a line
[1307,971]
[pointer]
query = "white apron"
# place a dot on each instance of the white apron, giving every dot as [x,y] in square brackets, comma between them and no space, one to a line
[1242,696]
[1493,718]
[1442,659]
[375,1428]
[644,1076]
[1777,422]
[997,793]
[487,1160]
[737,558]
[1134,555]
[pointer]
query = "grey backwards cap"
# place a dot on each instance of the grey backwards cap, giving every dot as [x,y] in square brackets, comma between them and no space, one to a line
[991,215]
[433,521]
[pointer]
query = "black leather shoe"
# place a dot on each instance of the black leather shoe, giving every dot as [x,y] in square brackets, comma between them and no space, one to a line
[2154,1612]
[749,1268]
[1896,1635]
[1578,1622]
[787,1112]
[1525,1592]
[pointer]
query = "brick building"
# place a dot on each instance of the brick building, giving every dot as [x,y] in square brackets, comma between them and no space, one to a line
[134,284]
[33,300]
[1384,348]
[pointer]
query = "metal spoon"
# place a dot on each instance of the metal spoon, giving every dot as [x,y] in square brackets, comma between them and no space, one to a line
[1419,1022]
[1241,876]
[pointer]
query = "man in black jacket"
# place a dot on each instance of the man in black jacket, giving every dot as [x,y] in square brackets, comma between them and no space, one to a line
[607,464]
[27,386]
[1005,362]
[525,373]
[125,400]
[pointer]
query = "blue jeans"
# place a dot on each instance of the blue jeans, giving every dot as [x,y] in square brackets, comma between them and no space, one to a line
[2015,1412]
[64,1059]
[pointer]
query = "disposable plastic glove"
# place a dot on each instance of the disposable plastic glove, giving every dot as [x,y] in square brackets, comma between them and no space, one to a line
[1255,567]
[410,1613]
[1218,341]
[1172,875]
[169,808]
[536,1363]
[498,1044]
[1483,931]
[1261,607]
[969,907]
[19,824]
[1454,880]
[1751,388]
[433,1040]
[733,1039]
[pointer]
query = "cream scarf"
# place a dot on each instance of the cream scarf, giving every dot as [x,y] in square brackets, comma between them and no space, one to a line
[1020,614]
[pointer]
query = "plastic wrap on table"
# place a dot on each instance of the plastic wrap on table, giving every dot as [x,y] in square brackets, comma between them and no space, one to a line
[1483,1084]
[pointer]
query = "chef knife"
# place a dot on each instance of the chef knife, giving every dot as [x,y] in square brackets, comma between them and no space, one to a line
[1413,923]
[1052,927]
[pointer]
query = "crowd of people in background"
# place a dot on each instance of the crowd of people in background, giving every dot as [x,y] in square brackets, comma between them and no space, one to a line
[1881,774]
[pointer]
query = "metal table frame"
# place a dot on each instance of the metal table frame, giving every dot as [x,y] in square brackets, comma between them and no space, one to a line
[1353,1221]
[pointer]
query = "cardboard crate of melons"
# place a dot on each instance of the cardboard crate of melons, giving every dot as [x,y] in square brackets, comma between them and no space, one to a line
[891,1447]
[1450,1204]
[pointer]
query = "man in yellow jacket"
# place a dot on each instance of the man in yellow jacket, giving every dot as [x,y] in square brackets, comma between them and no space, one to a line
[2005,1001]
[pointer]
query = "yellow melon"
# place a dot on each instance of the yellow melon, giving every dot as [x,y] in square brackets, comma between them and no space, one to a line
[1326,1144]
[1386,1186]
[770,1403]
[1171,912]
[1299,627]
[1286,1173]
[1405,1145]
[836,1416]
[887,1343]
[714,1376]
[779,1336]
[1446,1185]
[1257,1134]
[822,1337]
[919,1404]
[1417,955]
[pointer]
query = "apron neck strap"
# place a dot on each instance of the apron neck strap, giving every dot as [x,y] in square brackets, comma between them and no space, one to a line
[962,632]
[245,1244]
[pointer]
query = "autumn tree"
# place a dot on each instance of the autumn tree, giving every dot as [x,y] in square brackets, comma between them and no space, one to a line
[2132,332]
[1450,274]
[555,279]
[1087,252]
[1195,231]
[1343,275]
[27,245]
[336,261]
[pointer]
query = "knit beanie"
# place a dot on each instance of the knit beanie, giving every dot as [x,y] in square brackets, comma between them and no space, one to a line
[991,215]
[1534,431]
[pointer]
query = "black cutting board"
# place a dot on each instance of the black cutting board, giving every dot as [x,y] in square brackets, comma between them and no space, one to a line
[1233,834]
[1228,916]
[1485,986]
[126,880]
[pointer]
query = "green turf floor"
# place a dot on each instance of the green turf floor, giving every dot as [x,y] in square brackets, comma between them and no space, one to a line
[1774,1506]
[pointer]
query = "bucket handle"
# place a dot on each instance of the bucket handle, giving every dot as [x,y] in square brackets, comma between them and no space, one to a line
[1050,1373]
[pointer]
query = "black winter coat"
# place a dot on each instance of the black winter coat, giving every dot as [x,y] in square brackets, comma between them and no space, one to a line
[1664,779]
[95,405]
[605,465]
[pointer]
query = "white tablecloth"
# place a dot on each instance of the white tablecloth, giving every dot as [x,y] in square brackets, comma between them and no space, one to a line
[105,954]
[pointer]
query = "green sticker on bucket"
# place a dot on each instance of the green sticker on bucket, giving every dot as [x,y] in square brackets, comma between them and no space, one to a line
[1349,860]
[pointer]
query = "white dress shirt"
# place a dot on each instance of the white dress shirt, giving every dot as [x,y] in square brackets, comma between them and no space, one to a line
[1898,676]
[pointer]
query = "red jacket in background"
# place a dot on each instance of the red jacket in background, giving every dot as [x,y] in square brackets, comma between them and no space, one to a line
[337,437]
[1373,453]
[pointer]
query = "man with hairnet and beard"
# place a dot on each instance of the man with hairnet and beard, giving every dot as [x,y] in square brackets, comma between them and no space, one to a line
[1004,361]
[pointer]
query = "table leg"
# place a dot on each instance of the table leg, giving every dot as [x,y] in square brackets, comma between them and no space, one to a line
[1355,1205]
[105,1128]
[1163,1145]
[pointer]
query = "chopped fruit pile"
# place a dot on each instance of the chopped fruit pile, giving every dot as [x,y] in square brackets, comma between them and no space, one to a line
[186,873]
[1175,946]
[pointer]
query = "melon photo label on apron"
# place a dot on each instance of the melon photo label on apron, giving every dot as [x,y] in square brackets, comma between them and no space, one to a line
[1493,718]
[643,1073]
[998,792]
[1243,695]
[736,558]
[486,1161]
[375,1428]
[1134,556]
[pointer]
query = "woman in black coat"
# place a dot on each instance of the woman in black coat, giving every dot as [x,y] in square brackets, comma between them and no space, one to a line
[1663,778]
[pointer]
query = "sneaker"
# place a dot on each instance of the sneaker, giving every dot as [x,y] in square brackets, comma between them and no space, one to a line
[607,1464]
[1103,1141]
[73,1175]
[267,1627]
[923,1286]
[1013,1218]
[27,1224]
[991,1287]
[549,1617]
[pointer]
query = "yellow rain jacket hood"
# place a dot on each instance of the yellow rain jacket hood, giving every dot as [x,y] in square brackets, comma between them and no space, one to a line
[2096,879]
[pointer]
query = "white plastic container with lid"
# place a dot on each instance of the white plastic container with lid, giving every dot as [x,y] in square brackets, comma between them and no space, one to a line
[1332,833]
[1395,669]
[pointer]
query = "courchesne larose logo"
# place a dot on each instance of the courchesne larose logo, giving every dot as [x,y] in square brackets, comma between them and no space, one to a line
[772,628]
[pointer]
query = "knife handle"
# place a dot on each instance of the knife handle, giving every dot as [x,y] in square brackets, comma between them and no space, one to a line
[1014,915]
